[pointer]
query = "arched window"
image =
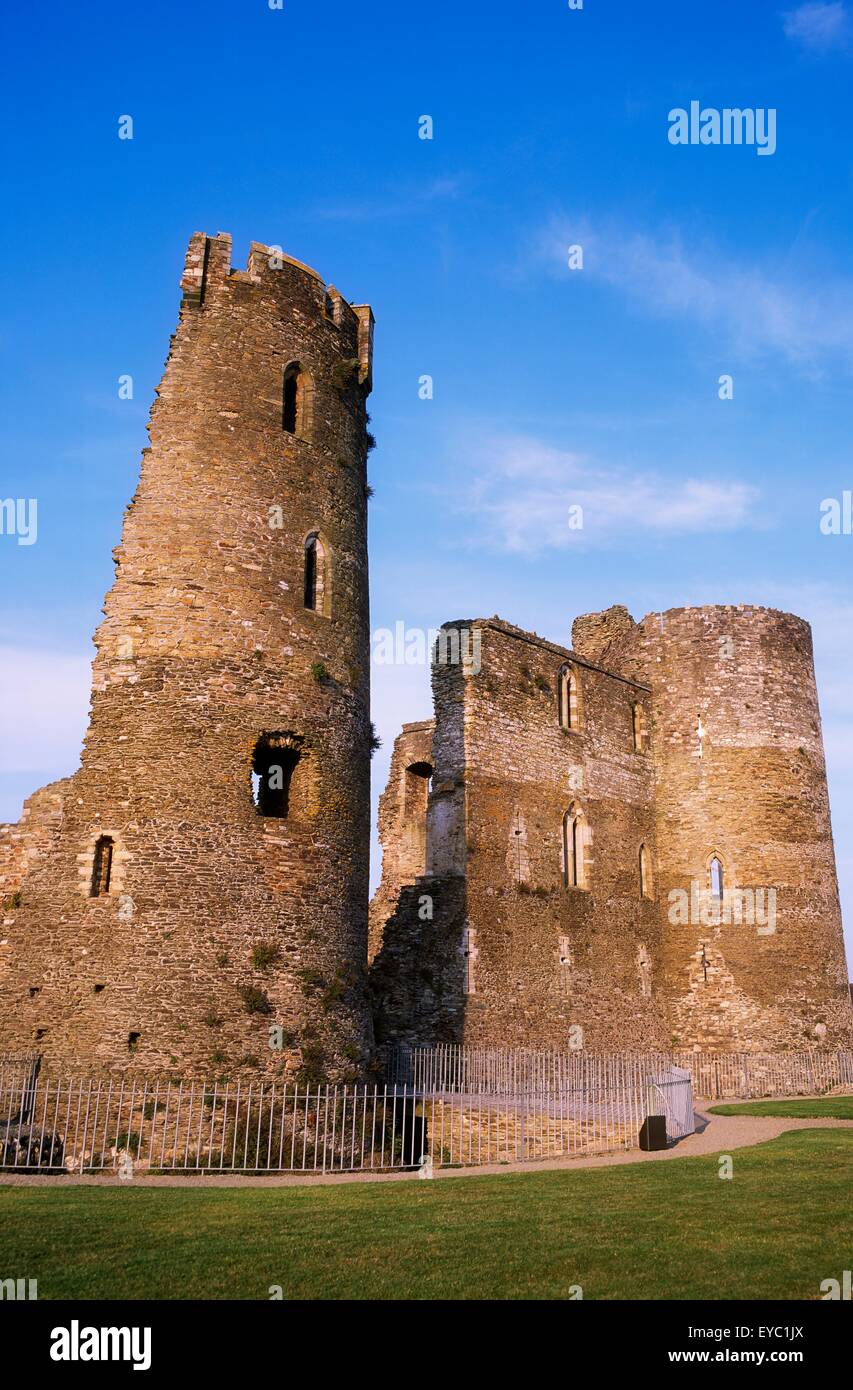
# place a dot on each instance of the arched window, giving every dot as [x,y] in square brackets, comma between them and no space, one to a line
[645,873]
[274,787]
[569,698]
[297,401]
[715,870]
[290,403]
[317,589]
[102,867]
[574,849]
[639,728]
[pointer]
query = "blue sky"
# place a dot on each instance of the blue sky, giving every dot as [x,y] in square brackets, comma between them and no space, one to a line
[551,387]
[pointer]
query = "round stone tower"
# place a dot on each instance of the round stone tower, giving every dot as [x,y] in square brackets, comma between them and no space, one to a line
[209,883]
[752,948]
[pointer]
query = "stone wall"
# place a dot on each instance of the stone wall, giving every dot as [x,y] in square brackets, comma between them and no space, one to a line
[402,823]
[23,843]
[549,842]
[537,958]
[418,975]
[696,735]
[741,776]
[219,920]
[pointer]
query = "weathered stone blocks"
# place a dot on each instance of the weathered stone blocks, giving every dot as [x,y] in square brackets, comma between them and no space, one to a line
[210,641]
[578,801]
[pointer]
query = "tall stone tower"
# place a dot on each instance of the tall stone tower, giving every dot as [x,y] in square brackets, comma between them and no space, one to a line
[752,952]
[209,877]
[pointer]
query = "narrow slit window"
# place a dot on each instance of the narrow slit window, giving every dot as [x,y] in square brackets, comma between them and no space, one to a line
[469,956]
[297,401]
[316,586]
[102,867]
[717,878]
[645,873]
[311,572]
[639,729]
[569,698]
[290,409]
[574,867]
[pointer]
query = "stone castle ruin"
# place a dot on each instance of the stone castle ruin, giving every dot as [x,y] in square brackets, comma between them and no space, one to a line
[206,875]
[625,844]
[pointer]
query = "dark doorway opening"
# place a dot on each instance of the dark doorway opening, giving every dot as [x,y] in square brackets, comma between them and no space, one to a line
[275,761]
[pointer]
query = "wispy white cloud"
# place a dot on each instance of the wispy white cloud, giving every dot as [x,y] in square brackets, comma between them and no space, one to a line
[401,201]
[818,26]
[523,492]
[757,312]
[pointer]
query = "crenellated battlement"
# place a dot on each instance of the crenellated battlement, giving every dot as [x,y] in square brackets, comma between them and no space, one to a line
[208,270]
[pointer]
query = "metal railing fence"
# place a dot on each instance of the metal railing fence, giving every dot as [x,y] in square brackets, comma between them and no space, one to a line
[451,1067]
[85,1125]
[451,1104]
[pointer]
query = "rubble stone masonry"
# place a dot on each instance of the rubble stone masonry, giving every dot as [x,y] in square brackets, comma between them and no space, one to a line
[624,844]
[535,954]
[578,802]
[24,843]
[741,777]
[209,875]
[402,822]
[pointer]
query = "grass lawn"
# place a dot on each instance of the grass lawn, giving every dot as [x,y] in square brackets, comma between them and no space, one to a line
[646,1230]
[829,1107]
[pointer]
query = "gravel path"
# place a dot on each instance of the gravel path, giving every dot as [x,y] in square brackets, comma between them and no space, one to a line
[718,1134]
